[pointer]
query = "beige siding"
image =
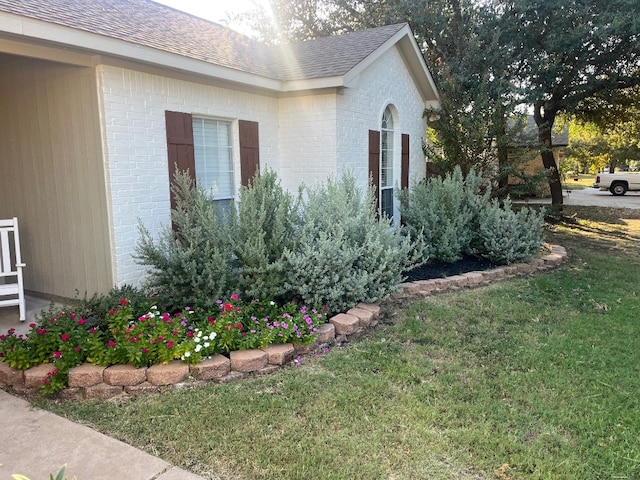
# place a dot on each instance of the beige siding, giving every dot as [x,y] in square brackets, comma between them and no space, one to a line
[51,175]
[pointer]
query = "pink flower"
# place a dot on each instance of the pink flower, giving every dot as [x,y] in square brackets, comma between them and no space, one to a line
[111,343]
[64,337]
[57,355]
[72,316]
[170,345]
[82,321]
[42,331]
[145,350]
[123,302]
[77,349]
[93,330]
[32,325]
[234,296]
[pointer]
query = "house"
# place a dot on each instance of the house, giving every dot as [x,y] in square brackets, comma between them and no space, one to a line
[101,98]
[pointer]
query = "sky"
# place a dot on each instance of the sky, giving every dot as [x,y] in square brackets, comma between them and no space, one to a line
[217,10]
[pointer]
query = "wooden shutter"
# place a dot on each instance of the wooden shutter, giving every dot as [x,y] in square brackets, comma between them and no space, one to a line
[180,145]
[374,164]
[249,151]
[404,164]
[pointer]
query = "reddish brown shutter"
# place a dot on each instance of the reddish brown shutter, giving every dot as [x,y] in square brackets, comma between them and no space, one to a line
[249,151]
[374,164]
[404,164]
[180,145]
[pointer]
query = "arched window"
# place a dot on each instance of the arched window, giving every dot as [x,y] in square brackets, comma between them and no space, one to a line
[386,164]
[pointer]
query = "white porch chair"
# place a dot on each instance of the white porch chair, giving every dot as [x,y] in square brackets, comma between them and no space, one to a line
[11,266]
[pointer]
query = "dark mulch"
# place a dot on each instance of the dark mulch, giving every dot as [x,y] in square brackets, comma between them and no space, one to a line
[438,269]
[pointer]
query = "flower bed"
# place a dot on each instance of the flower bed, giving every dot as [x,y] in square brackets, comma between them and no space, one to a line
[261,346]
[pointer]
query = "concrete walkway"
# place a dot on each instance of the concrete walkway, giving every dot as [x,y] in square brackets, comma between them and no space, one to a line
[36,443]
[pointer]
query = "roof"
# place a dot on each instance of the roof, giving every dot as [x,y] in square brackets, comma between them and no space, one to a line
[529,135]
[163,29]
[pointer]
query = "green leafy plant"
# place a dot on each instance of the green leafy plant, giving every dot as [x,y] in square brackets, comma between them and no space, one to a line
[157,337]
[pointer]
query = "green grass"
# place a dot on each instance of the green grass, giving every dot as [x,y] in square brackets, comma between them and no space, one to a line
[541,374]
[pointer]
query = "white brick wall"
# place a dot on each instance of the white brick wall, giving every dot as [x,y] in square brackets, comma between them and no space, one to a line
[135,146]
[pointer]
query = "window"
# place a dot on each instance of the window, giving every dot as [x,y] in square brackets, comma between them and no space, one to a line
[386,164]
[214,158]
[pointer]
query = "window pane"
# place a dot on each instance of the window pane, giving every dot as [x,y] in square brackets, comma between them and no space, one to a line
[386,202]
[213,156]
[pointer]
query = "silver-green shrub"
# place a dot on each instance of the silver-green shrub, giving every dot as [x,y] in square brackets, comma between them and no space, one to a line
[345,255]
[191,264]
[507,236]
[442,211]
[264,226]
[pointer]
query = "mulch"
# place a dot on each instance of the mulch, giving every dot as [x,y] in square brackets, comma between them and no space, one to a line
[439,269]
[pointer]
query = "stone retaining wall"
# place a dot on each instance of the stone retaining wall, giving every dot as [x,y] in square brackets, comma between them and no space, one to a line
[96,382]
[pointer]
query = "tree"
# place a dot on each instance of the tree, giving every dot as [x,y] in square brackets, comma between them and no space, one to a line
[566,52]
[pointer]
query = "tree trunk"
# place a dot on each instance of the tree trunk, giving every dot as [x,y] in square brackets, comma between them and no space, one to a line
[544,121]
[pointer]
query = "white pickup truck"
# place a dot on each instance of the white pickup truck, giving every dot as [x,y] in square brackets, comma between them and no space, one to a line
[617,183]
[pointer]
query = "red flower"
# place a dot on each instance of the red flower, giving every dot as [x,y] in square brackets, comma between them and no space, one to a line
[111,343]
[56,355]
[228,307]
[32,325]
[123,302]
[239,326]
[72,316]
[175,332]
[64,337]
[189,334]
[93,330]
[77,349]
[111,312]
[211,320]
[42,331]
[170,345]
[82,321]
[145,350]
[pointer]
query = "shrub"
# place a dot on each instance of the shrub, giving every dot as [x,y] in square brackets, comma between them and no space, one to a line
[442,211]
[191,264]
[263,228]
[345,255]
[506,236]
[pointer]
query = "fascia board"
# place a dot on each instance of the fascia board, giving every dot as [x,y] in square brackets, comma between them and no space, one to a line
[53,34]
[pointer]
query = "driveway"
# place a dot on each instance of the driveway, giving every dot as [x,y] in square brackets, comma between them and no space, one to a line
[593,197]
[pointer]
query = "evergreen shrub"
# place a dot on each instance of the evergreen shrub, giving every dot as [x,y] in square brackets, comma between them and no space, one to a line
[192,263]
[507,236]
[345,254]
[264,226]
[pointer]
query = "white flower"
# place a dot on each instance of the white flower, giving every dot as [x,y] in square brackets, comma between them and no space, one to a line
[197,339]
[198,348]
[212,335]
[187,354]
[206,344]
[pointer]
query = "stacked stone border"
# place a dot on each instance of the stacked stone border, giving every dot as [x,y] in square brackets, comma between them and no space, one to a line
[95,382]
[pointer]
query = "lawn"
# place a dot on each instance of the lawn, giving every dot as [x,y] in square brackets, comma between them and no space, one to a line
[533,378]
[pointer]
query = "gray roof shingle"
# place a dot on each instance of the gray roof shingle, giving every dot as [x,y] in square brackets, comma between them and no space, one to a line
[144,22]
